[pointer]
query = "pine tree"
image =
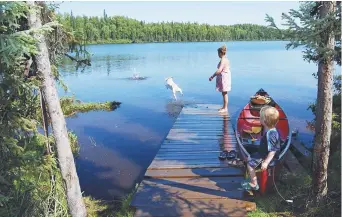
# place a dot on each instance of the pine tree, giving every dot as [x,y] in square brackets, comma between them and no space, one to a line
[104,15]
[319,32]
[49,90]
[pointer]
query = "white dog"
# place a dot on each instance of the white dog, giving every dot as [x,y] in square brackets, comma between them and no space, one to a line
[172,86]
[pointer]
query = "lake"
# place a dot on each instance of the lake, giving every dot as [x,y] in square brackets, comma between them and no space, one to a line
[118,146]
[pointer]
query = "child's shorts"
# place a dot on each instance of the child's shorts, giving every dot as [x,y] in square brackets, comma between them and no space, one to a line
[255,161]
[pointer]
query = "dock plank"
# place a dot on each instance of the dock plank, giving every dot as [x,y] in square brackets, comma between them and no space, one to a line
[187,157]
[195,147]
[217,140]
[159,192]
[186,178]
[198,172]
[196,208]
[195,181]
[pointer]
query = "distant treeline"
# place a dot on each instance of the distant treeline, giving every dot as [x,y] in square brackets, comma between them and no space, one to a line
[118,29]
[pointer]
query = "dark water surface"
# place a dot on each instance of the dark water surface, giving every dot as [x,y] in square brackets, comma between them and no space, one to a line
[118,146]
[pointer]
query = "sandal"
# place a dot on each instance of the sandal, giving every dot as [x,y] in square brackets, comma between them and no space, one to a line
[246,185]
[223,155]
[231,155]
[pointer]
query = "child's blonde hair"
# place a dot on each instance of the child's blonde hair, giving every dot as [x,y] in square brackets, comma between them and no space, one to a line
[270,116]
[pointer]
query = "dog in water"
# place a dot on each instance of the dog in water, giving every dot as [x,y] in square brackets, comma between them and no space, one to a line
[172,86]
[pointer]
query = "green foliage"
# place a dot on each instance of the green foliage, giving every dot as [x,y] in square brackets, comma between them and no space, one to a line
[118,29]
[71,107]
[35,186]
[297,187]
[336,121]
[75,146]
[73,139]
[30,180]
[119,208]
[311,31]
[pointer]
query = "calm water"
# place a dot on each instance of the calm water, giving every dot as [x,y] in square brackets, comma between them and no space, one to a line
[118,146]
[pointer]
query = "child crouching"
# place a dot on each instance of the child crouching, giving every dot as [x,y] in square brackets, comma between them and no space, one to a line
[269,147]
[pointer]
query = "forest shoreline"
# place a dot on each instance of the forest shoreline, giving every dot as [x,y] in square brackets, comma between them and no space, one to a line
[159,42]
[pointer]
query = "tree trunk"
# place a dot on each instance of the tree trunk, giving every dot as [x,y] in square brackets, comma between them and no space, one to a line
[65,157]
[323,112]
[45,121]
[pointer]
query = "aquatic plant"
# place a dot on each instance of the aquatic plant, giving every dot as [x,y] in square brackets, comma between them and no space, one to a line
[71,106]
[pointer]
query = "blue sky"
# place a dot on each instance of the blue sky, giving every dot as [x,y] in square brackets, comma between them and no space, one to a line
[219,13]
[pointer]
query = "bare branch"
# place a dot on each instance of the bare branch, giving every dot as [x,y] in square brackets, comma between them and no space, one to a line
[81,61]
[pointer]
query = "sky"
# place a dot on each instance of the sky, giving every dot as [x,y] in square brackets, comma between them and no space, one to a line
[215,13]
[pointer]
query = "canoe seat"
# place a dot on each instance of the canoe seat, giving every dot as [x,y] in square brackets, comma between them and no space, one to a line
[256,106]
[251,119]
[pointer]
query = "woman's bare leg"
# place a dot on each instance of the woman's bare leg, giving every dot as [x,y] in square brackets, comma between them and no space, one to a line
[225,101]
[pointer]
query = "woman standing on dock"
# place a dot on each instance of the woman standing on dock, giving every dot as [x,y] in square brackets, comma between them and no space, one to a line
[223,77]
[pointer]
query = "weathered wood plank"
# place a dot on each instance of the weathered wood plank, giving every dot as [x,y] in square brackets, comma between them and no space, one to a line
[177,202]
[198,147]
[201,119]
[157,192]
[186,178]
[192,149]
[187,166]
[195,208]
[205,132]
[299,147]
[193,131]
[293,164]
[203,149]
[165,152]
[186,153]
[217,140]
[193,212]
[213,156]
[194,138]
[204,125]
[190,173]
[187,157]
[214,146]
[192,161]
[196,180]
[199,141]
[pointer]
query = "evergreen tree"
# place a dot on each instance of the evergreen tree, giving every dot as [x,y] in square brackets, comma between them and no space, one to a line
[125,30]
[319,32]
[30,178]
[50,94]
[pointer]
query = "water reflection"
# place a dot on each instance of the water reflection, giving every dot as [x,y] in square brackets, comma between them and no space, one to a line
[227,136]
[108,62]
[99,62]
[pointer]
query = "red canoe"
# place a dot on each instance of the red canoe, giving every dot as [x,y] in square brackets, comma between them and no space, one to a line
[249,132]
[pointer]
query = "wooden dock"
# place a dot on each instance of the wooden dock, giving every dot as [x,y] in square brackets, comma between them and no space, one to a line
[186,178]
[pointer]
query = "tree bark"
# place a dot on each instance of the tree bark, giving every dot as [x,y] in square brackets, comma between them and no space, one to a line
[323,112]
[64,154]
[45,121]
